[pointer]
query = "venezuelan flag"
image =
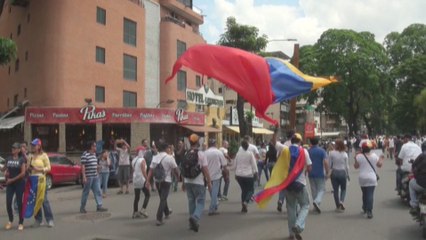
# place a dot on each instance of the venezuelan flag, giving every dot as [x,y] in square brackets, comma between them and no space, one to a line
[283,174]
[35,188]
[260,81]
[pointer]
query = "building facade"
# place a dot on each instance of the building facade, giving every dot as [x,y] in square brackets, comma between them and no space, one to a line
[108,54]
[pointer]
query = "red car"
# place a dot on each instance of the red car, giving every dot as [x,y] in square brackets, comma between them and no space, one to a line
[63,170]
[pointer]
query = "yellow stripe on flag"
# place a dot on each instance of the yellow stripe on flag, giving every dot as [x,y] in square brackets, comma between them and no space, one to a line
[41,188]
[278,175]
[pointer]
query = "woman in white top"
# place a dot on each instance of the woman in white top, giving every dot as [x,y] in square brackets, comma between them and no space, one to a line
[339,173]
[104,164]
[245,173]
[139,178]
[367,163]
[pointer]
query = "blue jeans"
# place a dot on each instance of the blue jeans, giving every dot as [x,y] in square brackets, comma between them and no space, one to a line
[213,195]
[338,181]
[296,218]
[367,198]
[414,187]
[261,167]
[48,215]
[281,197]
[17,188]
[93,184]
[317,189]
[196,198]
[104,181]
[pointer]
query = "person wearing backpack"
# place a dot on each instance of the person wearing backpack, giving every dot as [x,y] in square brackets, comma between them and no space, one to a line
[161,169]
[194,169]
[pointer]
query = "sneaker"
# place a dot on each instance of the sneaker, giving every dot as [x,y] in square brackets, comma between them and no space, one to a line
[82,210]
[136,215]
[143,213]
[159,223]
[119,192]
[20,227]
[50,224]
[414,211]
[244,208]
[36,224]
[317,207]
[101,209]
[170,213]
[193,225]
[8,226]
[224,198]
[369,215]
[296,230]
[341,206]
[280,207]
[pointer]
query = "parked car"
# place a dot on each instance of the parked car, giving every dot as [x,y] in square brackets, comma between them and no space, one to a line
[63,170]
[2,163]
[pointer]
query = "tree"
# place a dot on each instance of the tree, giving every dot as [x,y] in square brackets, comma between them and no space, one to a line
[7,51]
[420,103]
[407,52]
[361,65]
[247,38]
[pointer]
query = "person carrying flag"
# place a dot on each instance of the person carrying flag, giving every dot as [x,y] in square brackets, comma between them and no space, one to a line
[296,193]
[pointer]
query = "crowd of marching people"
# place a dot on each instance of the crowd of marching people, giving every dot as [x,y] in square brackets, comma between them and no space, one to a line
[160,167]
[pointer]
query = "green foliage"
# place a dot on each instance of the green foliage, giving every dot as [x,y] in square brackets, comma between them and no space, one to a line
[7,50]
[233,148]
[420,103]
[361,65]
[407,52]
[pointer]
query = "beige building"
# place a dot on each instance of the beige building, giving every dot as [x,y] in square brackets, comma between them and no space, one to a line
[113,54]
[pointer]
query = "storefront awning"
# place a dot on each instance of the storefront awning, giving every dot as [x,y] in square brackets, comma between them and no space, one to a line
[262,131]
[9,123]
[233,128]
[201,129]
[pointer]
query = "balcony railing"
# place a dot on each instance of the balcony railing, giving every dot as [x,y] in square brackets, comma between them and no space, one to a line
[173,20]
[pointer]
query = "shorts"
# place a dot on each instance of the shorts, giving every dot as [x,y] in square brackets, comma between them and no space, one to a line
[124,174]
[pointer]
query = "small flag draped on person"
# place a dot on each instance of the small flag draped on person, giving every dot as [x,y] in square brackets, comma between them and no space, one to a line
[35,188]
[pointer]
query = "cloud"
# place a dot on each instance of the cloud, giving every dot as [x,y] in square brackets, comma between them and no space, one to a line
[308,19]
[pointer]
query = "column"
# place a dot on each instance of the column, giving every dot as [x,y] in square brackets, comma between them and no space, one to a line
[139,131]
[98,132]
[62,138]
[28,133]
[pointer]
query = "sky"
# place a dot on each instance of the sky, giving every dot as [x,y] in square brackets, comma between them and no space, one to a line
[306,20]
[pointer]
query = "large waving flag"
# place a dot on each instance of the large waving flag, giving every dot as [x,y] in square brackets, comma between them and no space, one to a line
[35,188]
[283,174]
[260,81]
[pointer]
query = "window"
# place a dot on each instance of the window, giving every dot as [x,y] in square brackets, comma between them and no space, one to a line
[100,55]
[182,104]
[99,94]
[26,55]
[15,100]
[17,65]
[129,35]
[19,30]
[181,48]
[130,69]
[129,99]
[220,90]
[198,81]
[101,16]
[181,81]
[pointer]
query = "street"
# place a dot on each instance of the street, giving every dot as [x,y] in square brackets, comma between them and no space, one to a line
[391,219]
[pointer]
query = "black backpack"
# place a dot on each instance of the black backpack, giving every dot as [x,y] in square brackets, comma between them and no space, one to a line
[159,172]
[189,166]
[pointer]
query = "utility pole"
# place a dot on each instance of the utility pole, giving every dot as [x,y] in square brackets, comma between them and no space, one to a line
[295,62]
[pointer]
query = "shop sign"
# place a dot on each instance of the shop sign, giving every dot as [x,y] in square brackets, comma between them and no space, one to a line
[309,130]
[204,96]
[91,114]
[181,115]
[235,122]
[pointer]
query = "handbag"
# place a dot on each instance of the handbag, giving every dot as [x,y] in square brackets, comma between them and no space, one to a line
[377,176]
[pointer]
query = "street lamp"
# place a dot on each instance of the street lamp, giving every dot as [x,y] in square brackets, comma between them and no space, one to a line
[168,101]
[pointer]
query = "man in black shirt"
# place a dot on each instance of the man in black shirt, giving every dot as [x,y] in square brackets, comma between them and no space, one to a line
[418,183]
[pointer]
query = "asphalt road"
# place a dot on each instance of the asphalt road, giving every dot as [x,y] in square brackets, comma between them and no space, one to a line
[391,219]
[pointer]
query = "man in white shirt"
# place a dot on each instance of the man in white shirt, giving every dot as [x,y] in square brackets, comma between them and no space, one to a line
[170,167]
[195,187]
[409,151]
[297,194]
[391,148]
[216,164]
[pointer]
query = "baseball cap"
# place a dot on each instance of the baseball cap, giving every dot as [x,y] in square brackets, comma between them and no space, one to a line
[297,136]
[366,144]
[16,145]
[36,142]
[193,138]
